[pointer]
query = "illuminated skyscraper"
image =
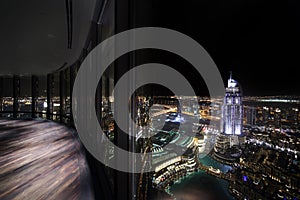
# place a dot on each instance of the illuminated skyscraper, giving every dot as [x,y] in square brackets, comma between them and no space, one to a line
[232,110]
[228,142]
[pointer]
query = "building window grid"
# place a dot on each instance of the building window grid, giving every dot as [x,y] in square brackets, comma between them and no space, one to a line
[27,96]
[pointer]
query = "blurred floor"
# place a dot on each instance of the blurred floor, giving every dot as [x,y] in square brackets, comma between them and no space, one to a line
[41,160]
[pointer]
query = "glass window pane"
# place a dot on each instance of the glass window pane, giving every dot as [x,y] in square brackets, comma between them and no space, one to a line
[41,103]
[55,101]
[66,101]
[7,99]
[25,99]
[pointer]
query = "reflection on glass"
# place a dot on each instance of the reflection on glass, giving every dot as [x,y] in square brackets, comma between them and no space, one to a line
[41,102]
[65,95]
[7,99]
[24,97]
[55,101]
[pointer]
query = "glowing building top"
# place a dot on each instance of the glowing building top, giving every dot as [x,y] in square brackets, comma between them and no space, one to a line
[232,110]
[232,85]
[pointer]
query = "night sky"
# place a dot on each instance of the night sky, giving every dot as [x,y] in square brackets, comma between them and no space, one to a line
[257,40]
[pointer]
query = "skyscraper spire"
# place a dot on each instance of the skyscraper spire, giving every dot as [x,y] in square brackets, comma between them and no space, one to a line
[231,82]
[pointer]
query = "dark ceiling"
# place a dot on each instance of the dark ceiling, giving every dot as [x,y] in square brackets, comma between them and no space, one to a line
[36,35]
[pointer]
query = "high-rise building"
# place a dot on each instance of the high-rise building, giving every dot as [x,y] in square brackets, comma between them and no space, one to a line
[231,137]
[249,115]
[232,110]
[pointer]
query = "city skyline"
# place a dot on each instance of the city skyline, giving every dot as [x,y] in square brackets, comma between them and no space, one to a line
[77,121]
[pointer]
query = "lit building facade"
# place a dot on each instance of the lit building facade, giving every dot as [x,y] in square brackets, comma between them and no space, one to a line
[232,110]
[230,139]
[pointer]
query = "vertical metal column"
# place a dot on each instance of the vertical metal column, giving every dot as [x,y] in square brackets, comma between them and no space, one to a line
[49,94]
[132,140]
[122,23]
[98,101]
